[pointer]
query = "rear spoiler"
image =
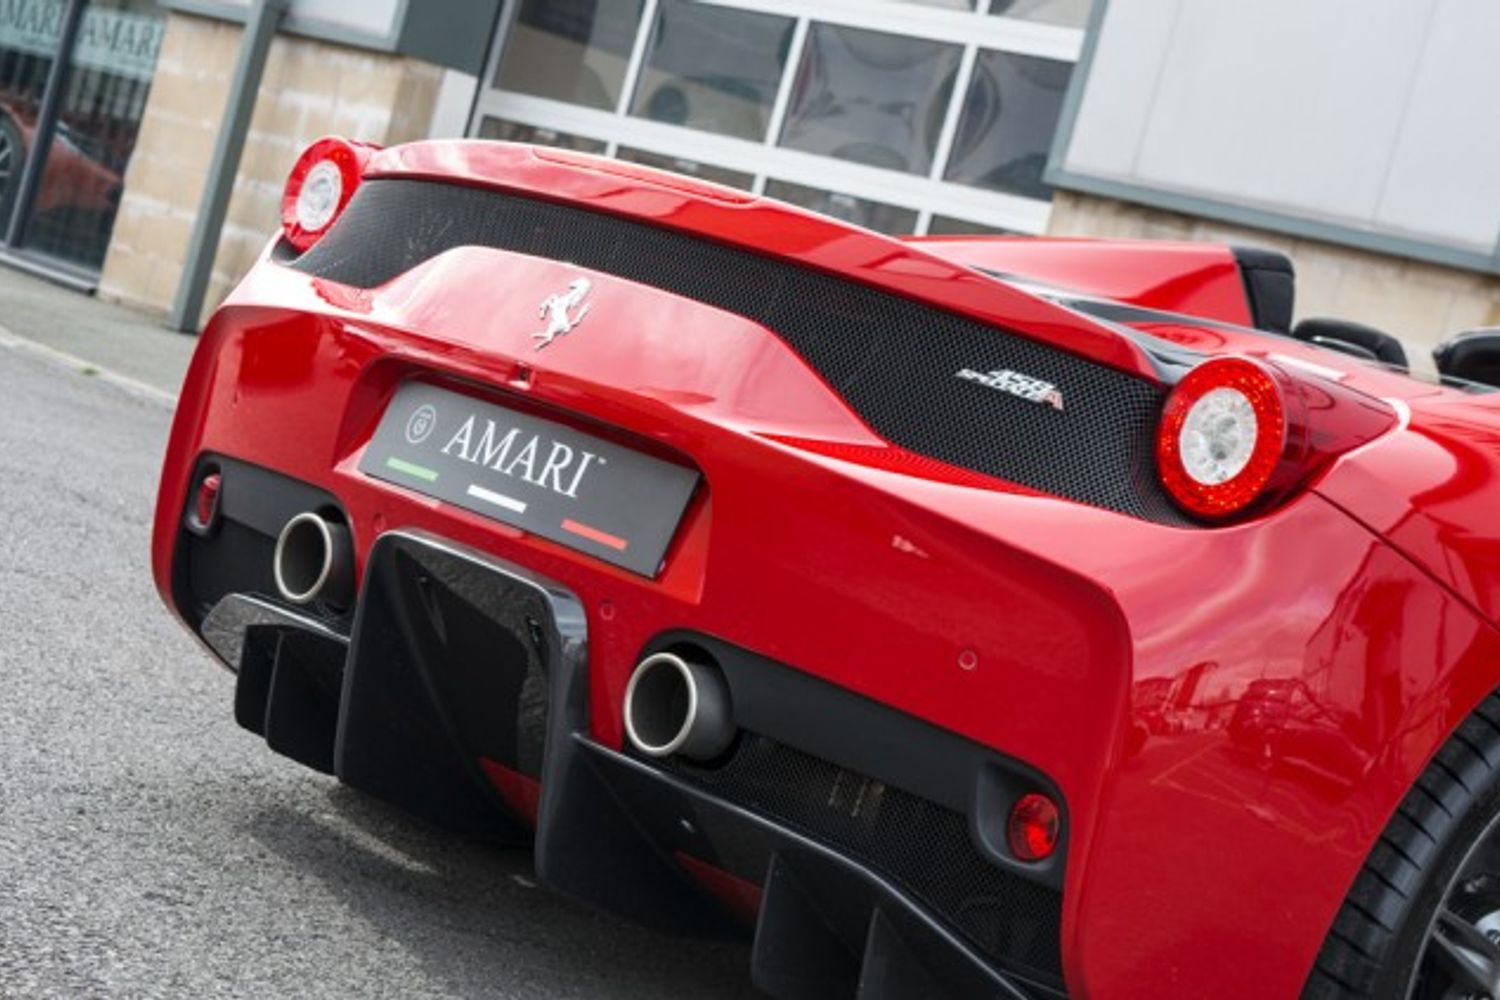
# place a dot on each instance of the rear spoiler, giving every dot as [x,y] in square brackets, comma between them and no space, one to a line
[1239,285]
[771,228]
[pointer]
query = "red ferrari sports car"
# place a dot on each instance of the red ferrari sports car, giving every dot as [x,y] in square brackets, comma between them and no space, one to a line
[963,617]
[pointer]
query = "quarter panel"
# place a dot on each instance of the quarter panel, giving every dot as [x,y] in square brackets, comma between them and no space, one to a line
[1430,492]
[1286,693]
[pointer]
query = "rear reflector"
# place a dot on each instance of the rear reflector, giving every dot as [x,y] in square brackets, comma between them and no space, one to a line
[1034,827]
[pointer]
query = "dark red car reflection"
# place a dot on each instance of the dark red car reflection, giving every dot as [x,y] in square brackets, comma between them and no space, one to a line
[74,178]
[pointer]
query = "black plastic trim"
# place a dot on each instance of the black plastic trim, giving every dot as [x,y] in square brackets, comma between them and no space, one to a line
[608,826]
[235,556]
[862,735]
[844,895]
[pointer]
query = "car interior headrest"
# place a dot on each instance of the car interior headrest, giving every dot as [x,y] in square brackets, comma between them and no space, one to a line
[1473,355]
[1352,338]
[1270,287]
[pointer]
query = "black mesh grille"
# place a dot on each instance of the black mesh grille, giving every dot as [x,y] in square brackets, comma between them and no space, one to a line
[920,846]
[893,359]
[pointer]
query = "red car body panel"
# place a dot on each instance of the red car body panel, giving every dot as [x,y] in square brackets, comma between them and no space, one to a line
[1429,493]
[1197,279]
[1034,625]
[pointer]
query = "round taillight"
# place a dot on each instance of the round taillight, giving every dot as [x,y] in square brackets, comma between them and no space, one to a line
[1222,435]
[1034,827]
[318,201]
[319,188]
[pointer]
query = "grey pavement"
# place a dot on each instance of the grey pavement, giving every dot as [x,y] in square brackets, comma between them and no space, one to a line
[108,337]
[149,847]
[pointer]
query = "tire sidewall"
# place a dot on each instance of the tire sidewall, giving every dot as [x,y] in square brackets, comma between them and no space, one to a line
[1451,851]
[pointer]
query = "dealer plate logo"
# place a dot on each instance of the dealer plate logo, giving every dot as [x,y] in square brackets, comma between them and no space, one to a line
[543,477]
[1033,390]
[419,426]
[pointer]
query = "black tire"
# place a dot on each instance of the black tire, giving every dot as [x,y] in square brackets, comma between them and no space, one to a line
[12,158]
[1385,942]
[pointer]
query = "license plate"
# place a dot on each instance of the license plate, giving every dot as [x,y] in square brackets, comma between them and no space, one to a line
[538,475]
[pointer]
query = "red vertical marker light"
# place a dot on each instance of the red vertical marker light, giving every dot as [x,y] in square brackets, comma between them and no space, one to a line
[206,503]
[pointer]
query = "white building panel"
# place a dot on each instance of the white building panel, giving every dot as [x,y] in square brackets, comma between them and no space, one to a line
[1123,77]
[1444,180]
[1371,115]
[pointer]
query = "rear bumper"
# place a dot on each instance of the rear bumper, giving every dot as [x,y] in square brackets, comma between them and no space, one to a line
[856,882]
[1103,654]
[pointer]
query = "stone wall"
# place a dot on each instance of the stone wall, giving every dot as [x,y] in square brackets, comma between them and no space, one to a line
[311,89]
[1422,304]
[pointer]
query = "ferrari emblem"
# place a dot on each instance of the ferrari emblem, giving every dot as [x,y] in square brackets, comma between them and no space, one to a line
[563,311]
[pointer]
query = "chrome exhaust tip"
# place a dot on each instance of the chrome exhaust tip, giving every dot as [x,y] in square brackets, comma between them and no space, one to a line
[674,705]
[314,560]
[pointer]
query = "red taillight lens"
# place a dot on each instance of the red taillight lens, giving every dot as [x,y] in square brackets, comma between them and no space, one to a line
[206,503]
[1223,434]
[319,188]
[1034,827]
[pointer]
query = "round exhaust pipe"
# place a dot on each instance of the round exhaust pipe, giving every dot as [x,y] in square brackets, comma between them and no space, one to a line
[314,560]
[674,705]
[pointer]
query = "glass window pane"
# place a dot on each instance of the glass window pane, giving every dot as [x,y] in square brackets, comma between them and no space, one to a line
[100,114]
[945,4]
[1068,13]
[13,148]
[1009,118]
[883,218]
[571,50]
[496,128]
[27,46]
[947,225]
[871,97]
[713,68]
[703,171]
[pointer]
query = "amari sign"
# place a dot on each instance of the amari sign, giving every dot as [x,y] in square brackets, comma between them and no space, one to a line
[111,41]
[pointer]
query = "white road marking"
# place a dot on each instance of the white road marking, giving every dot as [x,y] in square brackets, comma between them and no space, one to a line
[15,342]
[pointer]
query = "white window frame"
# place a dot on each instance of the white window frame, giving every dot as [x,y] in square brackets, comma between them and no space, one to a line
[928,195]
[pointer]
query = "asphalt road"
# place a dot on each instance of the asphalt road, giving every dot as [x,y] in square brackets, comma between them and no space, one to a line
[150,848]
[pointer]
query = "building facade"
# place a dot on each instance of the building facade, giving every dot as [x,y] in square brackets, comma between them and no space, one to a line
[75,79]
[1357,136]
[905,117]
[1349,137]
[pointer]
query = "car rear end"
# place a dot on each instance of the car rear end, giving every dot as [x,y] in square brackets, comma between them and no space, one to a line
[547,419]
